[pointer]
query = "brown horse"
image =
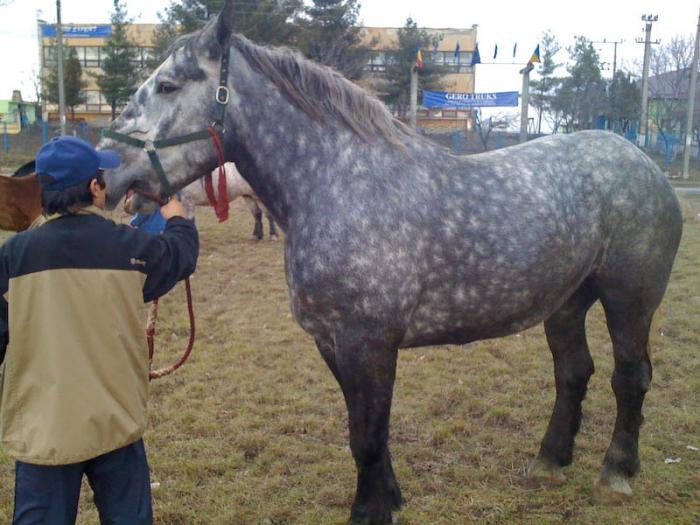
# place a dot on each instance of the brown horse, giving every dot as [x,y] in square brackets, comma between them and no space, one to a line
[20,199]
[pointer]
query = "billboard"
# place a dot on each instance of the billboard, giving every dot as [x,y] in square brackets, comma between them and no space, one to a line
[443,99]
[72,31]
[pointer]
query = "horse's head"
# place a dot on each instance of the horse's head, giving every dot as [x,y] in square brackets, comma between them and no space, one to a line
[178,99]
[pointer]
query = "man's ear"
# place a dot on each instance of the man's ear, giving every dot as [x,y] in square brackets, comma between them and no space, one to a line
[95,188]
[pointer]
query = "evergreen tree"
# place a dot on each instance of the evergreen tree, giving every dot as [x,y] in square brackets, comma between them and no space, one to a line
[263,21]
[542,89]
[397,82]
[120,76]
[331,36]
[581,96]
[625,100]
[73,83]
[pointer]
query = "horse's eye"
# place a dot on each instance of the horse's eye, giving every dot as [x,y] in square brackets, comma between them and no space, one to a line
[165,88]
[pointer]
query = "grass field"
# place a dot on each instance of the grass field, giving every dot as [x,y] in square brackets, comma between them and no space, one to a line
[253,429]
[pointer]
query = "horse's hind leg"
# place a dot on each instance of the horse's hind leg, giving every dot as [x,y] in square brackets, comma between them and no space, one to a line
[257,215]
[273,228]
[629,321]
[573,367]
[366,372]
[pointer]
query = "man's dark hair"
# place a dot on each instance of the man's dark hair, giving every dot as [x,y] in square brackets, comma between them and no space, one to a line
[69,199]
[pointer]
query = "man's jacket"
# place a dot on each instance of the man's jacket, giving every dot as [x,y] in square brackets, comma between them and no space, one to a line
[72,293]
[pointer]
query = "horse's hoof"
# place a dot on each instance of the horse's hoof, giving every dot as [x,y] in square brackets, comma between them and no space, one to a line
[368,521]
[611,489]
[543,473]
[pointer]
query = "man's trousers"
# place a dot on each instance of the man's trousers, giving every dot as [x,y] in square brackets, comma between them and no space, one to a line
[120,481]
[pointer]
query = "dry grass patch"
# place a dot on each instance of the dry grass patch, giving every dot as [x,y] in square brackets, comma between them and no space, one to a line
[253,429]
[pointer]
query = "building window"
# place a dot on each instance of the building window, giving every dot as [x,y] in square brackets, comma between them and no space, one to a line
[149,55]
[50,54]
[448,60]
[377,62]
[92,100]
[92,57]
[436,58]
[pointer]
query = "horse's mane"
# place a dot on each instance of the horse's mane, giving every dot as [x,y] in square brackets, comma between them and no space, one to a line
[319,91]
[323,93]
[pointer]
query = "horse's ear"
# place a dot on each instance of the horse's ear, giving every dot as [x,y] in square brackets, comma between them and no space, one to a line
[224,23]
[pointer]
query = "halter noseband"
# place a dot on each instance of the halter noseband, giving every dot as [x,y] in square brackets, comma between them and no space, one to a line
[215,132]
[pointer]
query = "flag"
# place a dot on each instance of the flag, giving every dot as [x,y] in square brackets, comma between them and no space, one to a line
[476,58]
[515,49]
[535,56]
[419,59]
[457,50]
[495,52]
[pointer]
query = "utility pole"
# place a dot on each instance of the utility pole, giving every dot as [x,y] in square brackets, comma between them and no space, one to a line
[414,96]
[525,100]
[614,43]
[644,117]
[59,59]
[691,104]
[40,35]
[613,84]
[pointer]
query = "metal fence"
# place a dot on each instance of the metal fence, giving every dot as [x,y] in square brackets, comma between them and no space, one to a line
[17,148]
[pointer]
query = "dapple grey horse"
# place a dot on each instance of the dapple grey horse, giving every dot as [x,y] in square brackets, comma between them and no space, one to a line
[236,186]
[392,242]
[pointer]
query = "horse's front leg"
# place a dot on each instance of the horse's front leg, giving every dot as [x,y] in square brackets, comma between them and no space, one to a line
[366,371]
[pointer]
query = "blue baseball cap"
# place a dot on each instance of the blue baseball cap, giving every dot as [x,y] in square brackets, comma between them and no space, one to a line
[70,161]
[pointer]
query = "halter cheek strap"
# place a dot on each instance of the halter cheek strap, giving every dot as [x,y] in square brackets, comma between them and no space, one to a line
[215,132]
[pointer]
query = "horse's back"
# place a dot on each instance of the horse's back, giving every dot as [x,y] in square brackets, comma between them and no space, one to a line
[537,220]
[488,244]
[236,186]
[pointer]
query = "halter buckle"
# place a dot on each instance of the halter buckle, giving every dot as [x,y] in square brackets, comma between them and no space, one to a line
[222,95]
[218,127]
[149,146]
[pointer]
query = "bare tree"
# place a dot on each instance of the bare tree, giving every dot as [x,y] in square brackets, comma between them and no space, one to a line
[36,83]
[501,121]
[668,86]
[3,3]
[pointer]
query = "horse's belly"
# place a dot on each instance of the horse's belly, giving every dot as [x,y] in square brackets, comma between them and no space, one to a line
[461,313]
[427,331]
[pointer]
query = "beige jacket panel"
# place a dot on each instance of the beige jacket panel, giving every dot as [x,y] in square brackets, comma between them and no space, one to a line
[76,378]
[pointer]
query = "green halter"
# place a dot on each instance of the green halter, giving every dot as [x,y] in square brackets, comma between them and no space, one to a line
[151,146]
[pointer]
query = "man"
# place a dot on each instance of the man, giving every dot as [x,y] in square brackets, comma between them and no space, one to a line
[75,381]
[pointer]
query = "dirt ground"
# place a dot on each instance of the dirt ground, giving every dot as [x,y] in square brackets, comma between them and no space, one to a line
[253,429]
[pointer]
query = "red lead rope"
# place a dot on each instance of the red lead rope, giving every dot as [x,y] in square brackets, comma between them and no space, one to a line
[151,332]
[220,206]
[221,209]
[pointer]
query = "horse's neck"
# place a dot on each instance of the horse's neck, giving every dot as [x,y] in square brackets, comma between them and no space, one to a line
[284,153]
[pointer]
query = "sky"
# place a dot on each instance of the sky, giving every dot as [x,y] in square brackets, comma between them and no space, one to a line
[502,22]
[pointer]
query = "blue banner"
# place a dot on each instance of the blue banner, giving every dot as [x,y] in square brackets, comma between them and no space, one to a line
[69,31]
[442,99]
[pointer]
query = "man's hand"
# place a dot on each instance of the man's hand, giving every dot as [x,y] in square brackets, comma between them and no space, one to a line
[173,208]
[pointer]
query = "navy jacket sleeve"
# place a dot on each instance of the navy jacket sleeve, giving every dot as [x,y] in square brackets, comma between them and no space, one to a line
[170,256]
